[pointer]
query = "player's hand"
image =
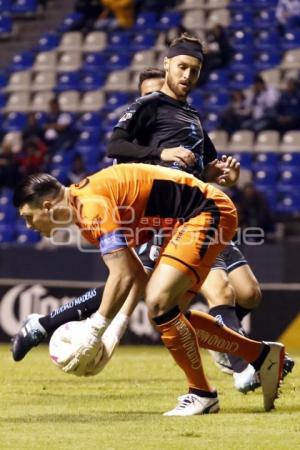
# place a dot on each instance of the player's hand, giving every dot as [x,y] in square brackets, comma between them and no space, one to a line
[215,171]
[181,155]
[81,362]
[231,171]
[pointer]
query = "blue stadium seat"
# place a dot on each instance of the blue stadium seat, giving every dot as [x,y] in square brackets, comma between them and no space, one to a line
[265,18]
[116,99]
[3,79]
[118,61]
[269,159]
[5,6]
[290,40]
[15,122]
[24,7]
[145,21]
[211,121]
[59,172]
[7,234]
[8,214]
[3,100]
[62,159]
[245,159]
[196,98]
[289,203]
[289,179]
[22,61]
[242,60]
[25,236]
[217,79]
[238,4]
[242,18]
[6,25]
[258,4]
[143,41]
[242,39]
[217,101]
[68,81]
[168,20]
[265,178]
[87,140]
[71,22]
[92,80]
[94,61]
[290,161]
[118,41]
[41,117]
[6,196]
[267,59]
[90,121]
[241,79]
[48,41]
[266,39]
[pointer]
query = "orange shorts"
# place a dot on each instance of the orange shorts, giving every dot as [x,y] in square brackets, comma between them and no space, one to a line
[195,244]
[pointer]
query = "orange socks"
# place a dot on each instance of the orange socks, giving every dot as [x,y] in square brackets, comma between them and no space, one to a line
[180,339]
[218,337]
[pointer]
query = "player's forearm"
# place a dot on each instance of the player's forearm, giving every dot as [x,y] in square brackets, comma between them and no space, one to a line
[120,146]
[117,289]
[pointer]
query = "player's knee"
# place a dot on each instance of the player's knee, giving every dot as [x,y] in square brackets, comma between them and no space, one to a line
[251,296]
[157,303]
[222,294]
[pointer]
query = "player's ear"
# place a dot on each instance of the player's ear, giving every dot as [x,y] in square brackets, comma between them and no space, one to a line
[47,204]
[166,64]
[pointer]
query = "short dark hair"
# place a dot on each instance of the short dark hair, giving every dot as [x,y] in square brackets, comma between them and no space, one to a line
[186,37]
[35,187]
[150,72]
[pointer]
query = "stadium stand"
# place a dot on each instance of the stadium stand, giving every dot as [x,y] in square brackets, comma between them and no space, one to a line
[92,69]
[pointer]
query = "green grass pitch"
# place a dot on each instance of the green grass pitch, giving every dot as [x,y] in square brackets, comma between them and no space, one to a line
[45,409]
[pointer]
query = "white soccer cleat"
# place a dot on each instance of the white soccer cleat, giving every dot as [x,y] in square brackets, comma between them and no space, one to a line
[192,405]
[247,380]
[270,373]
[222,361]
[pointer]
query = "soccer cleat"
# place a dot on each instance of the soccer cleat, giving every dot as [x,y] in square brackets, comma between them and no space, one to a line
[248,380]
[30,335]
[222,361]
[192,405]
[270,373]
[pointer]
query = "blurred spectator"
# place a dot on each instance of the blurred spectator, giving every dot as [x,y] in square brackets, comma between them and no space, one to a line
[261,101]
[218,51]
[58,131]
[253,209]
[77,171]
[91,10]
[235,115]
[288,14]
[32,157]
[288,108]
[123,10]
[33,128]
[8,168]
[13,141]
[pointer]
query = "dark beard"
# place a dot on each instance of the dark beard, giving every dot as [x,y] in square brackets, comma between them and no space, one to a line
[174,88]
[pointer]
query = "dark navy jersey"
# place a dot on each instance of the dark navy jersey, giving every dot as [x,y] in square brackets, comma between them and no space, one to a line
[156,122]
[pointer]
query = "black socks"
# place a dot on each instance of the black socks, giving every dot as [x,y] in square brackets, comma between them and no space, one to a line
[78,309]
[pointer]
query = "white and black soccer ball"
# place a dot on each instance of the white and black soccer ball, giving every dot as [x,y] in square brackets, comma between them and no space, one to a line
[66,340]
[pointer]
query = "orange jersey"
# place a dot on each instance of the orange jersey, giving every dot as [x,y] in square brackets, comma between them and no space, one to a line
[124,204]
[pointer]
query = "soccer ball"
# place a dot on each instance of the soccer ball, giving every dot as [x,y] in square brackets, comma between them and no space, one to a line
[66,340]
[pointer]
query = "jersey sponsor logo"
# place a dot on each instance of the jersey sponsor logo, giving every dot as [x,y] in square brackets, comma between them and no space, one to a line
[126,116]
